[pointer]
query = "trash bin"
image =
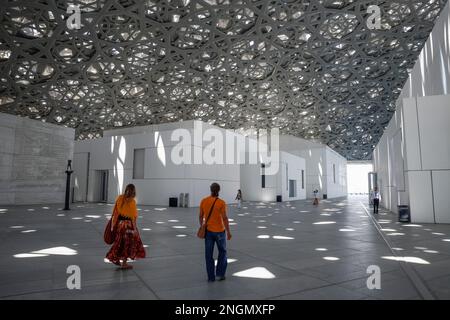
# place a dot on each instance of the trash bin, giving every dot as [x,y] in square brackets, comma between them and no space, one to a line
[325,196]
[279,198]
[404,214]
[173,202]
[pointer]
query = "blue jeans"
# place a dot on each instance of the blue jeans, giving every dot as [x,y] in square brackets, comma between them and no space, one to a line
[212,238]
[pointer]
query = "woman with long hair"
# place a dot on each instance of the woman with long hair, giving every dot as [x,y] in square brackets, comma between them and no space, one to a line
[127,243]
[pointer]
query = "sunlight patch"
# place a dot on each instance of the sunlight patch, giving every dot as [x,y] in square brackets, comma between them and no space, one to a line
[325,222]
[255,273]
[331,258]
[407,259]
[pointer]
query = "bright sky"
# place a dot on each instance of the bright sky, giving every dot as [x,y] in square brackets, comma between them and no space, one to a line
[357,177]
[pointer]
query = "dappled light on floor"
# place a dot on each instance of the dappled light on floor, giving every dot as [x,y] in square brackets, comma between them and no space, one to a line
[282,238]
[28,231]
[29,255]
[255,273]
[63,251]
[331,258]
[407,259]
[324,222]
[228,260]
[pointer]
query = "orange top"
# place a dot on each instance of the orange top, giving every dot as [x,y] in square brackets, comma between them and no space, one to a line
[126,207]
[215,222]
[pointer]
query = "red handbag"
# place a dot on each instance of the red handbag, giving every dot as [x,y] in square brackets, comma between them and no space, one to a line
[110,235]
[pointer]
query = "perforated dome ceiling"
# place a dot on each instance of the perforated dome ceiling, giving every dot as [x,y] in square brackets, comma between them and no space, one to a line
[311,68]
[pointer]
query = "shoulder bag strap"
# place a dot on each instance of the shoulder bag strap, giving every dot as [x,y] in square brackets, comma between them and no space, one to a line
[210,211]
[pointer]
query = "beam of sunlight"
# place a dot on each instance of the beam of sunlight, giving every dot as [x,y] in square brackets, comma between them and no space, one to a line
[324,222]
[28,231]
[146,229]
[93,216]
[179,227]
[388,230]
[29,255]
[173,220]
[181,235]
[262,227]
[331,258]
[228,260]
[413,225]
[160,209]
[255,273]
[430,251]
[346,230]
[438,233]
[321,249]
[160,148]
[263,236]
[63,251]
[407,259]
[282,238]
[396,234]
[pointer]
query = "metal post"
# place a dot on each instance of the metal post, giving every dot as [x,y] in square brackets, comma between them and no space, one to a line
[69,171]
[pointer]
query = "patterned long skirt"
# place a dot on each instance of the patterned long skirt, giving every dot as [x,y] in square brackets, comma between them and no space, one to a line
[128,244]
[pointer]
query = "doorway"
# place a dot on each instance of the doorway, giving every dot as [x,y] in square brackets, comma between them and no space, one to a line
[102,189]
[357,177]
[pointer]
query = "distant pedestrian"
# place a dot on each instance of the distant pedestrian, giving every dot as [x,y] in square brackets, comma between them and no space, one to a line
[127,243]
[376,200]
[239,198]
[213,214]
[316,200]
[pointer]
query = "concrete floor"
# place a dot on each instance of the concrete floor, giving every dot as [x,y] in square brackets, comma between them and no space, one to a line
[278,251]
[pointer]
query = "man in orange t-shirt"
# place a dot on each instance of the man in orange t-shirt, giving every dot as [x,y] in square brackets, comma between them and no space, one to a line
[216,224]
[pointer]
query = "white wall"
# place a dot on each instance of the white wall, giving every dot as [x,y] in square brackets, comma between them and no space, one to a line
[431,73]
[33,160]
[162,177]
[413,156]
[337,183]
[319,160]
[275,184]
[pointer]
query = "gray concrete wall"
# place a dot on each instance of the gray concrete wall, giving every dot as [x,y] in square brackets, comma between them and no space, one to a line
[33,159]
